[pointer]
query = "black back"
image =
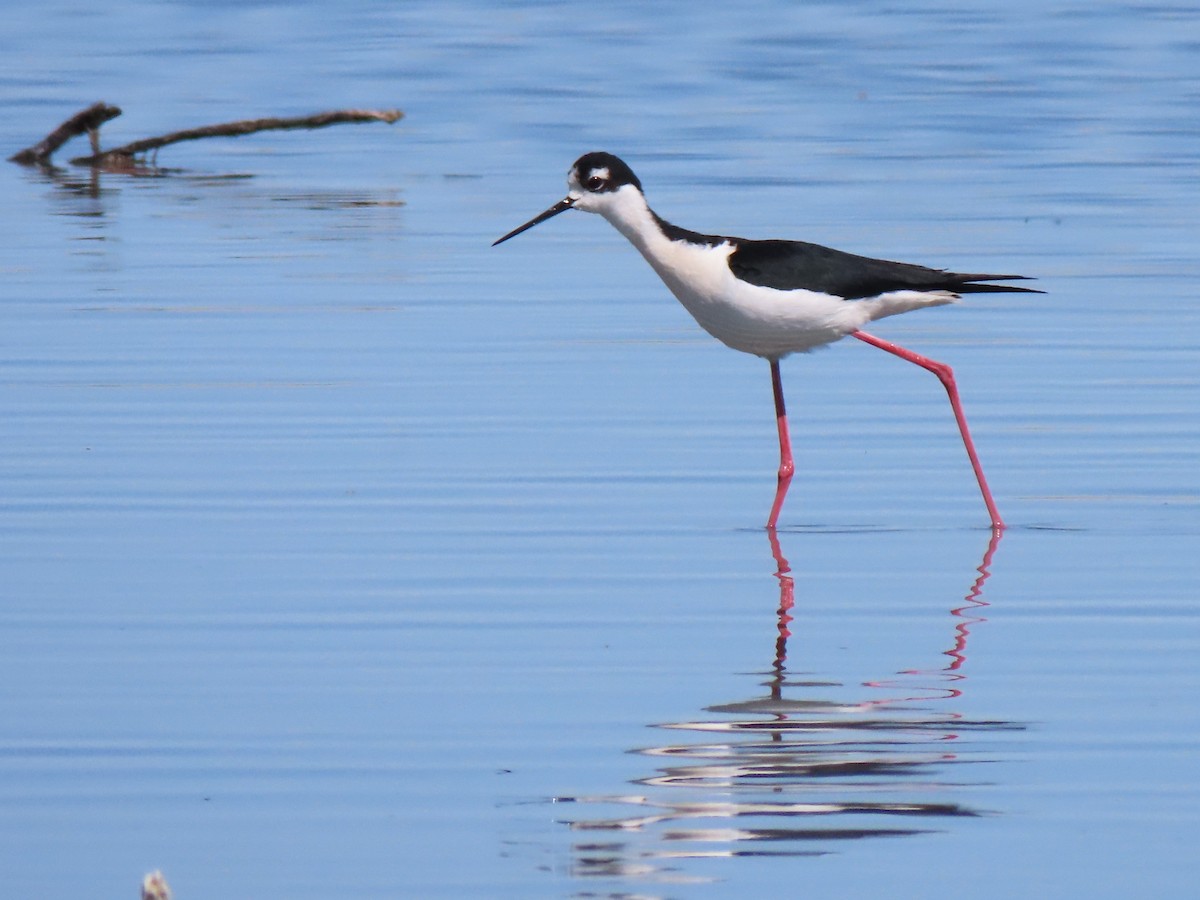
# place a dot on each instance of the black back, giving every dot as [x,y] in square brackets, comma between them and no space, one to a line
[798,265]
[792,265]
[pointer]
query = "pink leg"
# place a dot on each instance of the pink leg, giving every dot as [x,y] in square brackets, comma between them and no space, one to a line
[786,465]
[946,377]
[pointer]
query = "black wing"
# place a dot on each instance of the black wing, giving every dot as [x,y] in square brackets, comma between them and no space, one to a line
[796,265]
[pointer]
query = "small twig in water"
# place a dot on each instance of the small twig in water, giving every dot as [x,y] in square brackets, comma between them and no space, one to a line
[88,120]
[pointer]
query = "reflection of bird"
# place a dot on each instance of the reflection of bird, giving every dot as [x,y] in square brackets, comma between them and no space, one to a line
[772,298]
[813,764]
[802,771]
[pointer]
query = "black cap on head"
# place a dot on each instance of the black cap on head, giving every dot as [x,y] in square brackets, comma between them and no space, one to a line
[599,172]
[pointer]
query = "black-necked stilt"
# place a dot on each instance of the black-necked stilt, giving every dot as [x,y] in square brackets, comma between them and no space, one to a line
[771,298]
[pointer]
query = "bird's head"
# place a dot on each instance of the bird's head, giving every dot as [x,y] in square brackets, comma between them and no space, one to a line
[598,183]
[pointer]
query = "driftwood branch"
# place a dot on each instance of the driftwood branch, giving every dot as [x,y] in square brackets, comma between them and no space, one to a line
[87,120]
[236,129]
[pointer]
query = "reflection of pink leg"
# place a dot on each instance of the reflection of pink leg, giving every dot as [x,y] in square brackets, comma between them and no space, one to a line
[786,466]
[946,377]
[787,599]
[966,616]
[974,602]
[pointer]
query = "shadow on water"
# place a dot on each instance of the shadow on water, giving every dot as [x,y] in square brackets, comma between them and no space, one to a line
[797,771]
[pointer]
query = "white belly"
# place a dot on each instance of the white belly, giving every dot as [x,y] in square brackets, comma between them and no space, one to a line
[765,321]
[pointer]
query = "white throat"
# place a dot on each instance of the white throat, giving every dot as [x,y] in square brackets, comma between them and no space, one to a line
[626,209]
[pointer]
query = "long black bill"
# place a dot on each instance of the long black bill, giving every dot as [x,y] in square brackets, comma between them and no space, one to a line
[561,206]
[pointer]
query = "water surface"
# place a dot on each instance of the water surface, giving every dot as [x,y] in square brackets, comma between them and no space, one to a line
[343,555]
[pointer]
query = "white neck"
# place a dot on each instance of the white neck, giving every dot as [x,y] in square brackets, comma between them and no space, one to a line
[629,213]
[626,209]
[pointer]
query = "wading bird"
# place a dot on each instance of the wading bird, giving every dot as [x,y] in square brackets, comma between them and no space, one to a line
[774,297]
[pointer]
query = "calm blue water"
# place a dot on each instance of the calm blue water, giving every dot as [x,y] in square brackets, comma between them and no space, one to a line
[343,555]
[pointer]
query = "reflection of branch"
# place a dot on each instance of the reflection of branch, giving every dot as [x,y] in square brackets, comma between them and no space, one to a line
[236,129]
[86,120]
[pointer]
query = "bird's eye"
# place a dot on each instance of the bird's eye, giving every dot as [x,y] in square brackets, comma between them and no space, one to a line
[594,183]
